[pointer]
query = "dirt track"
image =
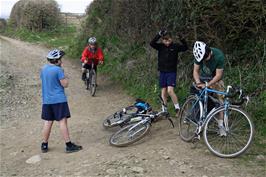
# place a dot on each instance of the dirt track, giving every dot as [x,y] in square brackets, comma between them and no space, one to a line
[161,154]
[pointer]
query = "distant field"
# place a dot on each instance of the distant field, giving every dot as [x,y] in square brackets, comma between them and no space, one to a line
[73,19]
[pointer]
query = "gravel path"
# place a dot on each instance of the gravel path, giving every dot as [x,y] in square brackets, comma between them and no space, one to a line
[161,153]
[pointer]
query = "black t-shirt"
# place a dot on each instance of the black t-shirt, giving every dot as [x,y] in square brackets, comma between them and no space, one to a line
[168,56]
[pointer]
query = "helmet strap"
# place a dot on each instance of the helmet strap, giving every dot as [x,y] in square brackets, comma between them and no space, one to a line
[55,62]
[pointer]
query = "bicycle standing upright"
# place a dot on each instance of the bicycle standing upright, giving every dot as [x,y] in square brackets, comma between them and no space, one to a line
[90,80]
[229,140]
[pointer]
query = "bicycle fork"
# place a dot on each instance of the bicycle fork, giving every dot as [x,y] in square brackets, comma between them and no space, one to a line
[225,118]
[197,134]
[203,110]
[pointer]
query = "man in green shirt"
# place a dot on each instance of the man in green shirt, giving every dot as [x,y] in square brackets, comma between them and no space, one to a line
[208,64]
[209,67]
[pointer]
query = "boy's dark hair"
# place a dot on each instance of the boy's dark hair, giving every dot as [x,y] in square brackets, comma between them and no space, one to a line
[167,35]
[207,52]
[53,61]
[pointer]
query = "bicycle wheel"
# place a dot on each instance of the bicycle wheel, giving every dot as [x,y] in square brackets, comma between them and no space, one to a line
[93,82]
[88,82]
[119,117]
[129,134]
[189,114]
[238,137]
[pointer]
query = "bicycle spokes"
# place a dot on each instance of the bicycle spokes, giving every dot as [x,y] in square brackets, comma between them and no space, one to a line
[237,137]
[188,125]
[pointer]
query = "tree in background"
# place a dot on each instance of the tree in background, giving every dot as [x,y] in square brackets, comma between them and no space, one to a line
[3,25]
[35,15]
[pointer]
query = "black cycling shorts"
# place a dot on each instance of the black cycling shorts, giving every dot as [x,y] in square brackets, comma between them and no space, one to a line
[86,66]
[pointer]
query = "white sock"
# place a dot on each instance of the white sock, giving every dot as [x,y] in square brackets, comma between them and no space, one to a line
[177,106]
[220,122]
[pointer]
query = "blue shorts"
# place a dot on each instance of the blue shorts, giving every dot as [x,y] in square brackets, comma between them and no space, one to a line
[167,79]
[58,111]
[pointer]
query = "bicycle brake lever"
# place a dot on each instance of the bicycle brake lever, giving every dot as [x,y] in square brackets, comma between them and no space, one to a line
[240,93]
[248,99]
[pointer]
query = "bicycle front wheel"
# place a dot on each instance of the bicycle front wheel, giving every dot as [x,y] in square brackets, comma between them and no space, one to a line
[88,84]
[189,115]
[236,139]
[93,82]
[129,134]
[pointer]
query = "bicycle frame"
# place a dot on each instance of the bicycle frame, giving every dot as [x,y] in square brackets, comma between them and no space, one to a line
[92,66]
[202,100]
[149,116]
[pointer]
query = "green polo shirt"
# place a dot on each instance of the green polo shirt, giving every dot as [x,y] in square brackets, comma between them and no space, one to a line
[208,68]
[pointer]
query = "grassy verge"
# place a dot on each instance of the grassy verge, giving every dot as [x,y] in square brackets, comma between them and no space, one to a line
[60,37]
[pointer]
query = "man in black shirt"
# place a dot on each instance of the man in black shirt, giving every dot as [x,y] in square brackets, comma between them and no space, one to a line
[167,64]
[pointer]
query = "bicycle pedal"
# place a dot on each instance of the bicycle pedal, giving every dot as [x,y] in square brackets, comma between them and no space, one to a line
[196,139]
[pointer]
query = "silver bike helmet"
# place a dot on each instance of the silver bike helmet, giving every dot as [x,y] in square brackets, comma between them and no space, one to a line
[55,54]
[199,50]
[92,40]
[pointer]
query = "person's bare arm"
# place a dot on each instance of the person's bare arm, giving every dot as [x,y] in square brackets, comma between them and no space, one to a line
[64,82]
[218,76]
[196,73]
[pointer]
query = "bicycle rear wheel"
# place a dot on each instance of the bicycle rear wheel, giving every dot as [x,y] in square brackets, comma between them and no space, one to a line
[129,134]
[189,114]
[93,82]
[238,137]
[119,117]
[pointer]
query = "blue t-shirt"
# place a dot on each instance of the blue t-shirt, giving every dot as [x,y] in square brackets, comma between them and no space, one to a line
[52,90]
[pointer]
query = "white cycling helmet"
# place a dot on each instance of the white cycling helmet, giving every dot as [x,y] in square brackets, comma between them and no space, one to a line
[55,54]
[199,50]
[92,40]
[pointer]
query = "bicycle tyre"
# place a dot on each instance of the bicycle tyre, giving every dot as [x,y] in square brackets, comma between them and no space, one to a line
[93,82]
[234,136]
[187,124]
[88,83]
[113,118]
[141,126]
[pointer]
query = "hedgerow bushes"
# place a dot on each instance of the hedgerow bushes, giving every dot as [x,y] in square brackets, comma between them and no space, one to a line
[125,27]
[35,15]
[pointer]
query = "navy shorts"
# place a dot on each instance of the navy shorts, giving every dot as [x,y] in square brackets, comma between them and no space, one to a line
[86,66]
[58,111]
[167,79]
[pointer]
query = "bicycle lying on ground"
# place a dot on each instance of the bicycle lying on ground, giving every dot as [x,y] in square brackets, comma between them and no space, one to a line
[230,140]
[90,80]
[134,132]
[127,115]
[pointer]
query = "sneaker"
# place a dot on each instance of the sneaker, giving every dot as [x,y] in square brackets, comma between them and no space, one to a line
[222,131]
[73,148]
[44,147]
[83,77]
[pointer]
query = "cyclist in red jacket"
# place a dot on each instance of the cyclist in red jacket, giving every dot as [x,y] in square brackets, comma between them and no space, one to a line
[92,51]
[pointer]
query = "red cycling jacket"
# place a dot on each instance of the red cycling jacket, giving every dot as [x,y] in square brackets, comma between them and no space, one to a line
[87,54]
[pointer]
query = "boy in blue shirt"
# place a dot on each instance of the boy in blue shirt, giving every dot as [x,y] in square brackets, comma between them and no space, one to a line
[55,107]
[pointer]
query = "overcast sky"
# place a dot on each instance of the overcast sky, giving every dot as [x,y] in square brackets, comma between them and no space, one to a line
[74,6]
